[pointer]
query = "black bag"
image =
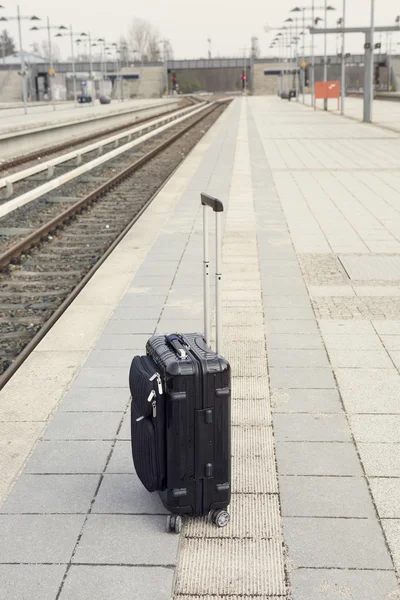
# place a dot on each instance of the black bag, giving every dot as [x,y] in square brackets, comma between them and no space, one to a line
[180,413]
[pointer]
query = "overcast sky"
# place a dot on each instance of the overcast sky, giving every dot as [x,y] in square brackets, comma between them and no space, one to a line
[188,23]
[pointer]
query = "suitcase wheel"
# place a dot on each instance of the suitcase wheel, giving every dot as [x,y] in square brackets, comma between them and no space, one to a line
[174,524]
[220,518]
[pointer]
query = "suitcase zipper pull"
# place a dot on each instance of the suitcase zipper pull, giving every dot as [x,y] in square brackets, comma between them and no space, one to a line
[154,409]
[151,396]
[159,382]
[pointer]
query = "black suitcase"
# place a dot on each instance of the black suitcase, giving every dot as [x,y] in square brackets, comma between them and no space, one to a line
[180,412]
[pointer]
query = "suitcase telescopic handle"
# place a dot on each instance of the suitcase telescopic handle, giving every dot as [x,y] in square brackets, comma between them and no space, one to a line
[218,208]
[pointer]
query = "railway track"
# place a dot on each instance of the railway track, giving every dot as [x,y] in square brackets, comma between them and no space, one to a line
[9,166]
[43,272]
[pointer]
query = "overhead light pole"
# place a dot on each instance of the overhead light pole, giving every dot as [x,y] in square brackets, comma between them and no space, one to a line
[23,72]
[71,34]
[343,65]
[89,39]
[370,80]
[49,27]
[326,9]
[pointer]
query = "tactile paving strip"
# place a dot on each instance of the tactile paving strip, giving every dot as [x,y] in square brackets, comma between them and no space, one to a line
[251,412]
[244,567]
[248,367]
[254,475]
[250,387]
[252,516]
[245,559]
[243,351]
[243,318]
[248,440]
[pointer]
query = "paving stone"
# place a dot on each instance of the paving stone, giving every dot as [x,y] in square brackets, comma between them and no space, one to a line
[224,577]
[345,327]
[124,583]
[150,281]
[330,290]
[38,538]
[170,325]
[306,401]
[376,428]
[288,312]
[297,377]
[386,493]
[380,460]
[360,359]
[30,582]
[111,359]
[387,326]
[391,342]
[319,458]
[392,531]
[325,497]
[121,458]
[352,341]
[333,584]
[124,313]
[395,356]
[336,543]
[102,377]
[126,327]
[297,358]
[126,539]
[122,342]
[294,341]
[369,390]
[153,301]
[83,426]
[125,494]
[286,301]
[125,431]
[69,457]
[95,399]
[291,326]
[312,428]
[39,494]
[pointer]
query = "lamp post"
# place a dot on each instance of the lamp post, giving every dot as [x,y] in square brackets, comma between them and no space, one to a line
[23,72]
[370,76]
[48,27]
[313,8]
[326,8]
[89,39]
[102,42]
[343,65]
[72,35]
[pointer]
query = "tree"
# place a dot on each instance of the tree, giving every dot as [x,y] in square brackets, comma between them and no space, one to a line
[255,48]
[168,51]
[55,51]
[7,45]
[144,39]
[123,49]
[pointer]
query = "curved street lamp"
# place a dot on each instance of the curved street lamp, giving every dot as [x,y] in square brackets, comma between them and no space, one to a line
[23,72]
[51,70]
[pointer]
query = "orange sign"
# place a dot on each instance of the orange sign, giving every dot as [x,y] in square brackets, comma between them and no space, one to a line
[325,90]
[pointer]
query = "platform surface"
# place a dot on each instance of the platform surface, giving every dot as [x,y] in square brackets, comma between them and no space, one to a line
[14,119]
[311,301]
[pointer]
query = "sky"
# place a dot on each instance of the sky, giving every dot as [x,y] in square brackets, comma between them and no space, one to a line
[189,23]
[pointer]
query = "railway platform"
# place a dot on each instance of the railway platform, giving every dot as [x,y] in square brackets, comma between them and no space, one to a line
[311,309]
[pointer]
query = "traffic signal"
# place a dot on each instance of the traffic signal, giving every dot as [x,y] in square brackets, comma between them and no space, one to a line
[174,81]
[244,81]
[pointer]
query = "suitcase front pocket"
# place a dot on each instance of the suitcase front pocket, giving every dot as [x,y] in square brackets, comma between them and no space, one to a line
[144,451]
[145,385]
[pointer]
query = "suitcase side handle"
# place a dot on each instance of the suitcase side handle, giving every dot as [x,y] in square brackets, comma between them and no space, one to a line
[218,208]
